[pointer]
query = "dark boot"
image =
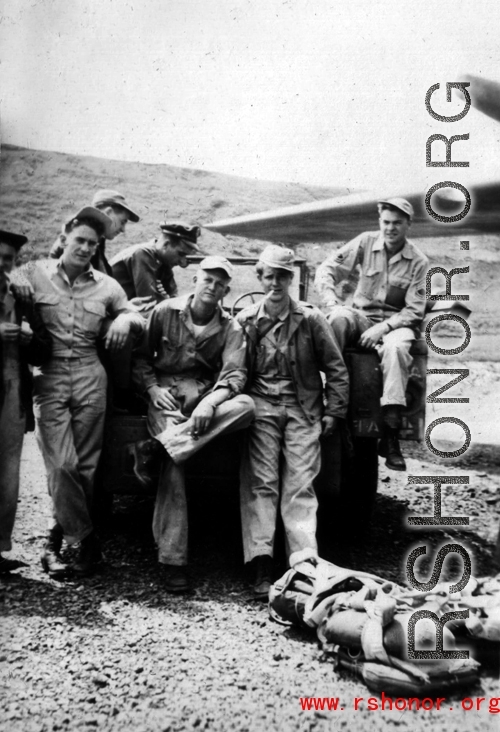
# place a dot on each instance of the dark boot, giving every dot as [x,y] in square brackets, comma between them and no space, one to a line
[51,557]
[389,444]
[89,554]
[176,578]
[8,565]
[262,567]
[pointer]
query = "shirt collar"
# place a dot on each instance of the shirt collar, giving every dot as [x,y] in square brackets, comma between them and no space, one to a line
[406,251]
[283,315]
[56,267]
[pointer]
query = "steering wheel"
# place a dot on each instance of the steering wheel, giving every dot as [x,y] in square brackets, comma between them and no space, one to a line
[251,295]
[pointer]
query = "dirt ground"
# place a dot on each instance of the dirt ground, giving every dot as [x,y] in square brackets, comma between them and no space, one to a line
[117,652]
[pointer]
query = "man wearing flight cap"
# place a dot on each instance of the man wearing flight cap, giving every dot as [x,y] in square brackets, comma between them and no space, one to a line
[113,204]
[289,344]
[145,270]
[23,340]
[388,307]
[76,303]
[192,368]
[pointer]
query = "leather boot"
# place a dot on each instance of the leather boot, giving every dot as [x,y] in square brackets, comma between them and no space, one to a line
[389,448]
[262,576]
[389,444]
[52,563]
[176,578]
[89,554]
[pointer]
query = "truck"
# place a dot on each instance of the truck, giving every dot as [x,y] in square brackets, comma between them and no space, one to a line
[347,484]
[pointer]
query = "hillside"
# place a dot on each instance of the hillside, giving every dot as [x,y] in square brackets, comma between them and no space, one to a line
[38,190]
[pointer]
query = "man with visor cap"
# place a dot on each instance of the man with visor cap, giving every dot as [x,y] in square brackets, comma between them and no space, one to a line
[388,307]
[145,270]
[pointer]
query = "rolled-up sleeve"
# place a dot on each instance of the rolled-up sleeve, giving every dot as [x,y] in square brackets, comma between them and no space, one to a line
[119,306]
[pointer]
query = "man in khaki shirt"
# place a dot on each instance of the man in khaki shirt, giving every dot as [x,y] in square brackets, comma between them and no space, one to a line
[388,306]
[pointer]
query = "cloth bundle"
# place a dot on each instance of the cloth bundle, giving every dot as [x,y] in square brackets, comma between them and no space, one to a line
[362,621]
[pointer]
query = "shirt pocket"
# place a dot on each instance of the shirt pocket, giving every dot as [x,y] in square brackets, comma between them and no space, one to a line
[48,307]
[369,283]
[397,289]
[94,313]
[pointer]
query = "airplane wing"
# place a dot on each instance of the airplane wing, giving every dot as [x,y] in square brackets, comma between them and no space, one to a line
[342,218]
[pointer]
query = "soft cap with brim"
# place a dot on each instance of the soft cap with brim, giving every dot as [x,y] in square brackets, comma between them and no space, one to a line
[189,233]
[113,198]
[89,212]
[402,204]
[12,240]
[216,262]
[278,258]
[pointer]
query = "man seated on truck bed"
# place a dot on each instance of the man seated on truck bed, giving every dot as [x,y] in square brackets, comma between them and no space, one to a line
[388,307]
[192,367]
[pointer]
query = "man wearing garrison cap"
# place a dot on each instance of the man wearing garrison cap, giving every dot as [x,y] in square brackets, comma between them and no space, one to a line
[192,369]
[388,307]
[23,340]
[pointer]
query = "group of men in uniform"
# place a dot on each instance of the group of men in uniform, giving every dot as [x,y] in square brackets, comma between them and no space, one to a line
[275,371]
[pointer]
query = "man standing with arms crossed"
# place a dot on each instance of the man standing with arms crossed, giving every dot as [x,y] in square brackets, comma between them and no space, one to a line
[388,307]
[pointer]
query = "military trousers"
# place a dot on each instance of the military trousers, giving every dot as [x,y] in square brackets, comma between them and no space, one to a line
[280,435]
[170,519]
[12,425]
[395,361]
[69,406]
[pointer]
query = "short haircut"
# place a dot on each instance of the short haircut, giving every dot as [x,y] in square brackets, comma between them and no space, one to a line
[97,226]
[390,207]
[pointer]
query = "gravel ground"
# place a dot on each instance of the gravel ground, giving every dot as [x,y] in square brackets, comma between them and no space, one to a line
[117,652]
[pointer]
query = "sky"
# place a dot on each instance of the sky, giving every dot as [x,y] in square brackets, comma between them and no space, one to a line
[313,91]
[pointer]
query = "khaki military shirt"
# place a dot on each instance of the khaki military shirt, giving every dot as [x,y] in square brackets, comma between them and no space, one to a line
[388,289]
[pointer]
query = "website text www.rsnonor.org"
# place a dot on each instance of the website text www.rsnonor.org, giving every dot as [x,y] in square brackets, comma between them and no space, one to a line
[400,704]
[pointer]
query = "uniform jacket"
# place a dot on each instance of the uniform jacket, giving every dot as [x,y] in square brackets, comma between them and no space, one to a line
[392,290]
[311,349]
[137,269]
[35,353]
[170,346]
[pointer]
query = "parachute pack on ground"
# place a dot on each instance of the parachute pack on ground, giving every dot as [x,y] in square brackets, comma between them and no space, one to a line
[361,620]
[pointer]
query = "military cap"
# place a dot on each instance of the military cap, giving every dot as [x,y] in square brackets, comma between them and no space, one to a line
[107,197]
[401,204]
[278,258]
[217,262]
[94,214]
[189,233]
[13,240]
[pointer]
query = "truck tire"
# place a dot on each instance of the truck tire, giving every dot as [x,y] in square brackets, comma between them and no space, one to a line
[347,485]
